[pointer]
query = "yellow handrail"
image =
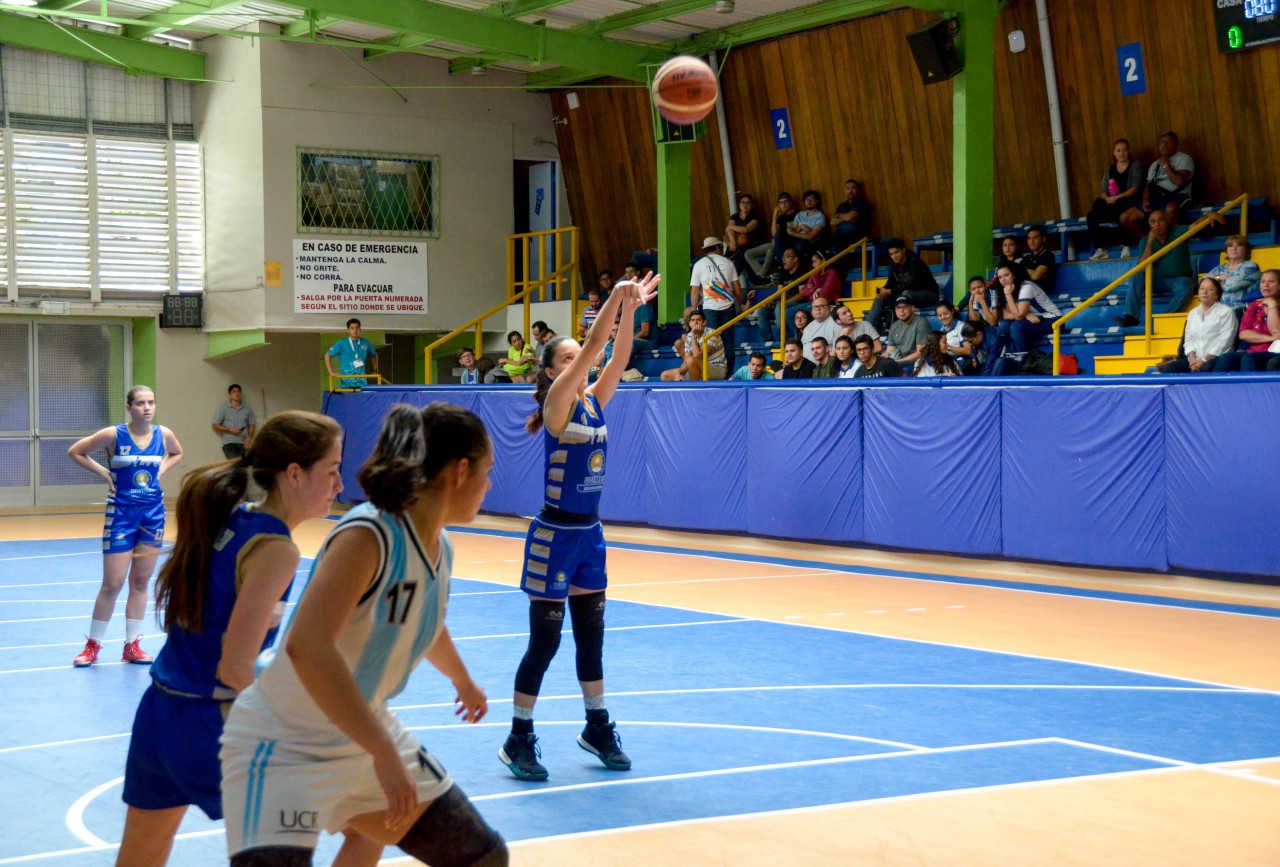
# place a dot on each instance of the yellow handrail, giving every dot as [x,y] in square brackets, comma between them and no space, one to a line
[782,306]
[559,237]
[1145,265]
[364,376]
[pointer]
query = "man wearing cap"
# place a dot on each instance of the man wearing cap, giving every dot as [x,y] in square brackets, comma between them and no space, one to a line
[907,334]
[907,276]
[762,258]
[714,285]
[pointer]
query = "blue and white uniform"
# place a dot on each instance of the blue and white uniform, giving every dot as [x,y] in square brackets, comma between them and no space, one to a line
[565,545]
[287,770]
[173,754]
[135,512]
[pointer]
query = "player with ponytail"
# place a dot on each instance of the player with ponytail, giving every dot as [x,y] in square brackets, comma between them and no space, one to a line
[312,745]
[564,563]
[220,597]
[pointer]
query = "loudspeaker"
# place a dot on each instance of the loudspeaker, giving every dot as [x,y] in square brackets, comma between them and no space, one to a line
[934,52]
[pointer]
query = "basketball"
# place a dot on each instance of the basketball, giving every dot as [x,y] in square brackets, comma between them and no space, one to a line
[685,90]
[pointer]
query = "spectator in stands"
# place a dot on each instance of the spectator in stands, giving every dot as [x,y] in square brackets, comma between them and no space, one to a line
[823,325]
[1171,273]
[852,219]
[1259,331]
[489,372]
[744,230]
[1210,332]
[800,321]
[1239,275]
[795,365]
[984,304]
[1118,202]
[605,281]
[646,323]
[756,368]
[762,257]
[1039,259]
[847,362]
[808,226]
[851,328]
[590,312]
[765,315]
[541,336]
[823,283]
[908,277]
[352,352]
[520,359]
[1011,254]
[1169,179]
[951,326]
[631,272]
[467,361]
[934,360]
[824,364]
[1027,309]
[907,334]
[973,361]
[690,348]
[714,286]
[873,365]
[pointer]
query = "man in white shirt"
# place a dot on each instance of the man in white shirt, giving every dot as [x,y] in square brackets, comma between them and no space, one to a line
[714,286]
[1169,179]
[823,325]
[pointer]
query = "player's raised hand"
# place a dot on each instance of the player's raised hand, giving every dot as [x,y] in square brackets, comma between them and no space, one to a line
[640,291]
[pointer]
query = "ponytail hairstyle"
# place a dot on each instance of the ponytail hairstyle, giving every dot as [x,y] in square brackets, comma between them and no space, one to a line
[128,398]
[210,493]
[534,424]
[414,446]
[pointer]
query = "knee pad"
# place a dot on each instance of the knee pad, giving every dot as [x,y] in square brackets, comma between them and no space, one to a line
[587,613]
[450,833]
[272,856]
[546,620]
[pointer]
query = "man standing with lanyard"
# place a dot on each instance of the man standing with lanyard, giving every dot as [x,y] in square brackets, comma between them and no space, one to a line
[714,283]
[352,353]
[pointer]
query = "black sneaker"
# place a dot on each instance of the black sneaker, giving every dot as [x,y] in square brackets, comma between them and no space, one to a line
[603,743]
[520,754]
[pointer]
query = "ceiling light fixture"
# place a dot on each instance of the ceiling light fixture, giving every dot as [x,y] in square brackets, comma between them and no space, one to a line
[21,2]
[724,7]
[478,70]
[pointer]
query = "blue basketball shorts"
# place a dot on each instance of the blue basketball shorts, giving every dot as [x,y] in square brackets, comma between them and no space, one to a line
[557,556]
[173,754]
[127,526]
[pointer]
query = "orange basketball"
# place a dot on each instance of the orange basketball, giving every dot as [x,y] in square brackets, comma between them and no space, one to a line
[685,90]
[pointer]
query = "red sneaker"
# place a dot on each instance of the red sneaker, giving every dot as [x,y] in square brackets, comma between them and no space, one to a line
[133,652]
[89,655]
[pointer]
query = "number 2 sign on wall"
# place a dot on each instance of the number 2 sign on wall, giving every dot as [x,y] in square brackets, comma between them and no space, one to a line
[781,128]
[1133,74]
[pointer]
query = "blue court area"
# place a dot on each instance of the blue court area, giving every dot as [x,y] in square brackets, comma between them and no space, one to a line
[722,716]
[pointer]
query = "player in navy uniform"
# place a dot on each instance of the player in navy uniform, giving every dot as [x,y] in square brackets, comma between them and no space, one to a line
[138,453]
[312,745]
[564,550]
[222,594]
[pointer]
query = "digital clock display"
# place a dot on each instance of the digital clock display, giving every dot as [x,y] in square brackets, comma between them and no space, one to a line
[1245,24]
[183,311]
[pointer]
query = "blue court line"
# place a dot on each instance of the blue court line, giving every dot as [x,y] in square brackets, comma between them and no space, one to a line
[1080,592]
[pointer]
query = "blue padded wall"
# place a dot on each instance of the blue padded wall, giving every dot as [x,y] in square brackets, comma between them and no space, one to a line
[803,454]
[626,496]
[518,457]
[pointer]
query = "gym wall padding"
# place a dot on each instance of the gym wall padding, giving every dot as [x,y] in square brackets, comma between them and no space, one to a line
[1083,476]
[1144,473]
[1221,463]
[803,454]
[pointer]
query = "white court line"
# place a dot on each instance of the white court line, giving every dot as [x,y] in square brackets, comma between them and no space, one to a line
[49,556]
[49,584]
[75,815]
[47,619]
[105,641]
[1213,768]
[47,601]
[725,578]
[64,743]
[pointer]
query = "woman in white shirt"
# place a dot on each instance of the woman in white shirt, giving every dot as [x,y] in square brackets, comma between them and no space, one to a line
[1027,307]
[1210,331]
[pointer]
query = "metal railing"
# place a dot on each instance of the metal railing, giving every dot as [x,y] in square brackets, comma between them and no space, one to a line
[781,293]
[377,377]
[552,245]
[1241,201]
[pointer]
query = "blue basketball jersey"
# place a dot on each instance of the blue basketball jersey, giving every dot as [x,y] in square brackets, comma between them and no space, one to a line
[137,470]
[575,461]
[188,661]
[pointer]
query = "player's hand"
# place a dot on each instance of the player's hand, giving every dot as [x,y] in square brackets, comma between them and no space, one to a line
[472,704]
[111,484]
[397,785]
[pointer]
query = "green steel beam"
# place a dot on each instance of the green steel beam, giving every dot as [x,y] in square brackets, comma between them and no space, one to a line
[309,26]
[540,45]
[178,15]
[521,8]
[675,202]
[131,55]
[224,343]
[145,353]
[973,142]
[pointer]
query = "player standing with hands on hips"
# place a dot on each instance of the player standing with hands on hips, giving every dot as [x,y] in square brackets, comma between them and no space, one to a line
[138,454]
[564,550]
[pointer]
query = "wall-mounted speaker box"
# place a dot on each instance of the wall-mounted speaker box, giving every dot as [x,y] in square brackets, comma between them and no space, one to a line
[934,52]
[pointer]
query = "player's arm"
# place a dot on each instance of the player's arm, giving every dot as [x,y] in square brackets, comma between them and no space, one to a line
[328,365]
[263,576]
[371,357]
[563,394]
[471,700]
[636,294]
[172,452]
[343,574]
[82,452]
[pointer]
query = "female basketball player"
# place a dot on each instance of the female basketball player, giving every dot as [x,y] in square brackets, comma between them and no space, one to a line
[221,593]
[311,744]
[138,453]
[564,551]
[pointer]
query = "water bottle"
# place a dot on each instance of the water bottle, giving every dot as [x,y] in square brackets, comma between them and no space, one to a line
[1113,189]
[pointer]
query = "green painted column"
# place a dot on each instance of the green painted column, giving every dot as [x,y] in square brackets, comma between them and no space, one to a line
[674,204]
[973,145]
[145,333]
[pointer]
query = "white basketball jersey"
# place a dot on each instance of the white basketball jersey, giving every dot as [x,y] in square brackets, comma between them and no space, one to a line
[398,618]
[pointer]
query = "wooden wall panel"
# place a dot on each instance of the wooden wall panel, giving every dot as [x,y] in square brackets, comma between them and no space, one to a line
[858,109]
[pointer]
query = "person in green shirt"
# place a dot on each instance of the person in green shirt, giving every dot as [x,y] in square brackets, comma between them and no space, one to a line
[824,363]
[1170,274]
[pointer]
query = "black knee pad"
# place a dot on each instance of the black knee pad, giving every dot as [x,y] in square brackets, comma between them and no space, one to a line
[450,833]
[587,613]
[546,620]
[273,856]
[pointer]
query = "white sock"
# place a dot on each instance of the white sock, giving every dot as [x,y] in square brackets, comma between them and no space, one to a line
[132,629]
[98,629]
